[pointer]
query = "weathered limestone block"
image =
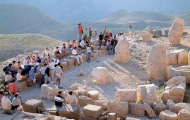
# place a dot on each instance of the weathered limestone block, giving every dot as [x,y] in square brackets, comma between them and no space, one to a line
[149,110]
[112,116]
[176,31]
[137,109]
[172,58]
[126,95]
[178,90]
[179,106]
[121,108]
[184,114]
[101,75]
[44,91]
[93,94]
[174,81]
[168,115]
[93,111]
[157,64]
[83,100]
[149,29]
[146,35]
[74,86]
[122,51]
[82,92]
[158,107]
[166,96]
[101,103]
[183,58]
[52,91]
[146,93]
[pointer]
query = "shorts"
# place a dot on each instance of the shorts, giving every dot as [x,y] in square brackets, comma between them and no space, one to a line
[14,107]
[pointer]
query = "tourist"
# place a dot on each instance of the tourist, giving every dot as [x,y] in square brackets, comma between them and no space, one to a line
[46,52]
[20,77]
[110,34]
[57,53]
[8,77]
[42,70]
[109,47]
[88,52]
[100,40]
[6,103]
[121,37]
[18,65]
[56,61]
[8,69]
[52,69]
[74,44]
[105,30]
[63,50]
[83,44]
[32,76]
[33,59]
[76,56]
[71,99]
[58,74]
[13,67]
[90,33]
[80,31]
[26,64]
[38,59]
[38,74]
[1,95]
[114,43]
[16,103]
[130,31]
[47,77]
[95,36]
[58,99]
[5,87]
[106,38]
[85,33]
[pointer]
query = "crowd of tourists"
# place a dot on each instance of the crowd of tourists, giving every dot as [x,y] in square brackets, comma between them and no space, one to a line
[49,69]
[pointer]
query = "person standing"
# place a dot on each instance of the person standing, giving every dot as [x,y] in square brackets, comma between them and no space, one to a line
[88,52]
[130,31]
[101,36]
[95,37]
[47,76]
[80,31]
[58,74]
[85,33]
[52,69]
[90,33]
[42,70]
[32,76]
[105,30]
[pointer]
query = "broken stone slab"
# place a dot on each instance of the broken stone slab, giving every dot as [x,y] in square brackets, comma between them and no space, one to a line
[137,109]
[149,110]
[87,118]
[93,111]
[93,94]
[83,100]
[126,95]
[178,90]
[172,58]
[168,115]
[174,81]
[101,103]
[158,107]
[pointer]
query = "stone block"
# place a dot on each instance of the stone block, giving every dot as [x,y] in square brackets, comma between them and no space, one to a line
[184,114]
[172,58]
[74,86]
[179,106]
[174,81]
[178,90]
[137,109]
[93,111]
[121,108]
[82,92]
[93,94]
[101,103]
[149,110]
[112,116]
[126,95]
[168,115]
[83,100]
[183,58]
[159,107]
[166,96]
[32,105]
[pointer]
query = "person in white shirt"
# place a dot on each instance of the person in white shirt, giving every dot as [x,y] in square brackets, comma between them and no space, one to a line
[25,61]
[42,70]
[121,37]
[56,61]
[46,52]
[6,103]
[75,55]
[71,99]
[58,74]
[19,77]
[82,44]
[52,69]
[8,77]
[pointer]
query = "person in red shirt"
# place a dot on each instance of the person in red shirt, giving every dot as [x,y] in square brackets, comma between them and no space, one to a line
[80,31]
[12,87]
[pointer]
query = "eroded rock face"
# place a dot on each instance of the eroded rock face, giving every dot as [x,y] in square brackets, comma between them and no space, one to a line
[101,75]
[176,31]
[146,35]
[156,63]
[122,51]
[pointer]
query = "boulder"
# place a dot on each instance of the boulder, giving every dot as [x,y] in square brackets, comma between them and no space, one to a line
[44,91]
[121,108]
[176,31]
[101,75]
[93,94]
[93,111]
[149,29]
[146,93]
[126,95]
[175,81]
[184,114]
[167,96]
[158,107]
[168,115]
[149,110]
[146,35]
[179,106]
[157,65]
[112,116]
[183,58]
[132,118]
[101,103]
[172,58]
[178,90]
[83,100]
[122,51]
[137,109]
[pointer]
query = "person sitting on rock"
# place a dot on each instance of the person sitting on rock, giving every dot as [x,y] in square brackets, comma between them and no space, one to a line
[71,99]
[20,77]
[74,44]
[58,99]
[38,59]
[1,95]
[57,53]
[58,74]
[75,55]
[18,65]
[46,52]
[16,103]
[32,76]
[82,44]
[8,77]
[6,103]
[63,50]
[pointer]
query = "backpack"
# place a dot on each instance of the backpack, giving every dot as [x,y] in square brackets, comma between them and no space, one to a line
[5,68]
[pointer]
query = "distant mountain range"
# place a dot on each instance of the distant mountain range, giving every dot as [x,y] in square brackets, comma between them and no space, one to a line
[22,19]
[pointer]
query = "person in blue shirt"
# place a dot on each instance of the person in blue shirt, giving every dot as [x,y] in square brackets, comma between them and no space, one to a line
[32,76]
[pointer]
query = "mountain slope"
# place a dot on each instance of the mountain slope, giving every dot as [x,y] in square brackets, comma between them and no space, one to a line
[19,19]
[12,45]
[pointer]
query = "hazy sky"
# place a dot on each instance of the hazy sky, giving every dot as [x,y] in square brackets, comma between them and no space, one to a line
[90,10]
